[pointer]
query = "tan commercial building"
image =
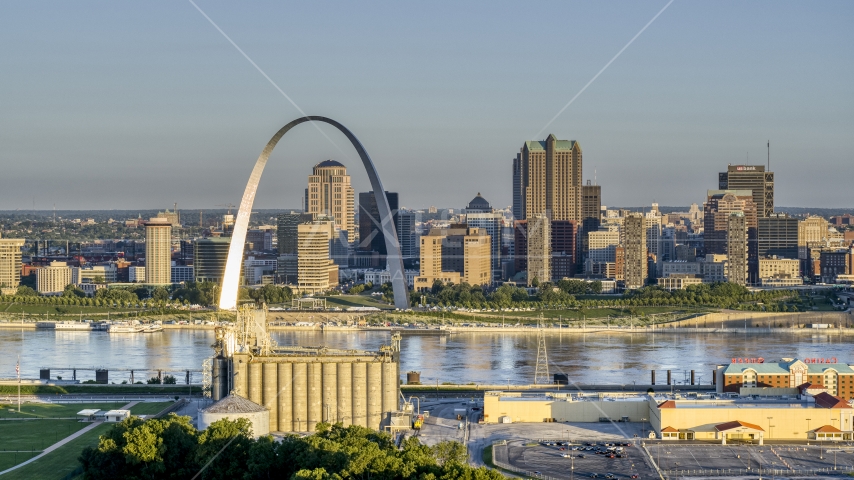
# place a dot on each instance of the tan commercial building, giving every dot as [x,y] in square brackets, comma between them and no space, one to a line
[721,419]
[549,179]
[812,233]
[454,255]
[329,193]
[539,249]
[10,265]
[635,251]
[679,281]
[316,272]
[158,251]
[780,272]
[53,279]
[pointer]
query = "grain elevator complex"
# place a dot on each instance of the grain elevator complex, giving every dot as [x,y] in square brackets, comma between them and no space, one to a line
[303,386]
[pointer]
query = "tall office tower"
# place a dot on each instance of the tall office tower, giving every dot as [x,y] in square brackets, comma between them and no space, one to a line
[753,178]
[518,190]
[286,231]
[10,264]
[564,235]
[635,251]
[652,226]
[520,246]
[480,214]
[778,236]
[158,251]
[539,249]
[371,238]
[406,234]
[736,244]
[550,182]
[591,212]
[316,271]
[329,193]
[209,258]
[458,254]
[812,232]
[719,205]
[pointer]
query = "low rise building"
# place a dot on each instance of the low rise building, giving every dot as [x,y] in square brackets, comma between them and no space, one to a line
[679,281]
[779,272]
[836,378]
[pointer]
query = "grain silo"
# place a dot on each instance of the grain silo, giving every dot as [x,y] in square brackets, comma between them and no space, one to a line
[302,386]
[233,407]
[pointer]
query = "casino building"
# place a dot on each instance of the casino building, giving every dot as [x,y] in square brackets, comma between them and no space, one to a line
[825,374]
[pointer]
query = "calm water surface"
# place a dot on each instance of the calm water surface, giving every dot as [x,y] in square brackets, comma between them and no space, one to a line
[460,358]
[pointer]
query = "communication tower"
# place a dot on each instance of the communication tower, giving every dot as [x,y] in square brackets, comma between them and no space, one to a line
[541,372]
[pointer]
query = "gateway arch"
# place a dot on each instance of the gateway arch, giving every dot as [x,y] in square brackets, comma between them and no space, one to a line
[234,264]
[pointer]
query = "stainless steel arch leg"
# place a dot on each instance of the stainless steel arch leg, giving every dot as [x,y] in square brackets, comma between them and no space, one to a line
[228,294]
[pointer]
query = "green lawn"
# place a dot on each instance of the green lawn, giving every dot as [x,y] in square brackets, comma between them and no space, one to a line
[35,434]
[149,408]
[60,462]
[52,410]
[10,459]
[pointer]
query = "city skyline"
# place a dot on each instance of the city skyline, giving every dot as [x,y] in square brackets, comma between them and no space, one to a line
[678,103]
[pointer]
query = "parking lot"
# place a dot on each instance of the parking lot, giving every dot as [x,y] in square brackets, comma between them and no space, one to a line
[550,461]
[738,460]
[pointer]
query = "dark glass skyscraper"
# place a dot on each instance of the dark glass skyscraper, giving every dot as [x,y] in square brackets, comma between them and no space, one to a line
[371,237]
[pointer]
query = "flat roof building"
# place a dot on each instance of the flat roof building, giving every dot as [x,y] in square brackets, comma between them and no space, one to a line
[10,264]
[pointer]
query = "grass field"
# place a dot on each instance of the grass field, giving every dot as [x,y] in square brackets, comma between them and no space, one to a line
[60,462]
[35,434]
[149,408]
[10,459]
[52,410]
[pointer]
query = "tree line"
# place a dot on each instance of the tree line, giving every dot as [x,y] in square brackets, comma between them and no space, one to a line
[171,448]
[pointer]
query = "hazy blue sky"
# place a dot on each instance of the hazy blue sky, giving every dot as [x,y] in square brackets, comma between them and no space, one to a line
[142,104]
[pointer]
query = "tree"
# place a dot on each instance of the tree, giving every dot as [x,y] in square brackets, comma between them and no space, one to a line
[169,380]
[73,291]
[450,452]
[25,291]
[160,294]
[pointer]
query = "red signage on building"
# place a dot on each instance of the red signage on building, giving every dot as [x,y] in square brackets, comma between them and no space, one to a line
[748,360]
[820,360]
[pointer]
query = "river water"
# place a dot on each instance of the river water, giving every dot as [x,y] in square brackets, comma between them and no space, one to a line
[481,358]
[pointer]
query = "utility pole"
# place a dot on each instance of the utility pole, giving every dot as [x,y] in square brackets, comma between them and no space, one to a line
[18,372]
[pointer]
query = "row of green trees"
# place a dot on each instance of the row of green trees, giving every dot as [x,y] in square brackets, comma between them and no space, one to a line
[202,293]
[563,295]
[171,448]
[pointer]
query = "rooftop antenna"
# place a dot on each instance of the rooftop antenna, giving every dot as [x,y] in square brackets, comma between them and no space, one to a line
[594,176]
[769,155]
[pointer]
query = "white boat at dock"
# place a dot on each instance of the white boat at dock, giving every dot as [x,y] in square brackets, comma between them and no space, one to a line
[124,328]
[76,326]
